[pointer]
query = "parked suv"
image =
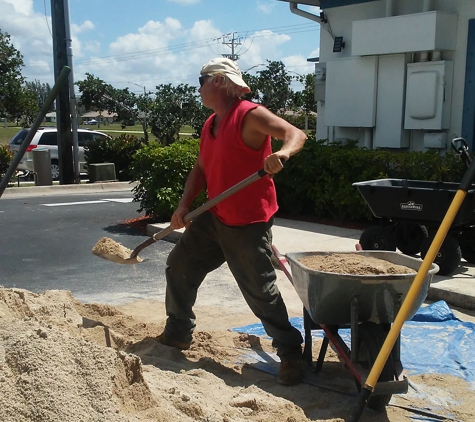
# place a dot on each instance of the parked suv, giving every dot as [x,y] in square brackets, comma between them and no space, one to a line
[46,137]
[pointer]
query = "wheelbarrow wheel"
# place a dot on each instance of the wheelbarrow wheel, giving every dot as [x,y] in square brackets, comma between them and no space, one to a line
[377,238]
[449,256]
[370,340]
[409,237]
[467,244]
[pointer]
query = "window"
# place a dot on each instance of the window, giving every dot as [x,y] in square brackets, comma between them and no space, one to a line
[48,138]
[84,138]
[19,137]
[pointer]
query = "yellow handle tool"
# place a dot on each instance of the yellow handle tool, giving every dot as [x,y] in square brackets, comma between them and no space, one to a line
[393,334]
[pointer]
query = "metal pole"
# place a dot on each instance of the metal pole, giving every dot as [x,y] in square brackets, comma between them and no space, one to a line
[72,94]
[26,142]
[63,124]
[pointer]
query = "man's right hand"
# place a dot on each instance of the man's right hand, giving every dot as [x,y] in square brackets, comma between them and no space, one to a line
[177,221]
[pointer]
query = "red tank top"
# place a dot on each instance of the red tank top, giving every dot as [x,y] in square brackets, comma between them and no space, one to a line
[227,161]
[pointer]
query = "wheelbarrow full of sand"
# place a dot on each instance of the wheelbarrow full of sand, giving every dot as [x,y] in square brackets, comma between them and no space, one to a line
[366,304]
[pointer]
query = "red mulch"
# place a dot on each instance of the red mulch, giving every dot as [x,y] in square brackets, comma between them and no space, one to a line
[140,223]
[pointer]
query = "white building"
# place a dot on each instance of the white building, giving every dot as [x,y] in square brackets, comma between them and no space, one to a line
[396,74]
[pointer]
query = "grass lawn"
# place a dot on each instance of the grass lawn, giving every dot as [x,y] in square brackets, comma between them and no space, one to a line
[114,130]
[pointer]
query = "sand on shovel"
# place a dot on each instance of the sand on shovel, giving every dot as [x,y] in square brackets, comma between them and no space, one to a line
[107,247]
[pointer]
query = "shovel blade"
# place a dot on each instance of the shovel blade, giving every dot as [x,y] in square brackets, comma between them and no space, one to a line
[118,259]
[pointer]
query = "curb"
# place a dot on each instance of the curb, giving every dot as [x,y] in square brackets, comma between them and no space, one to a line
[61,189]
[460,300]
[172,237]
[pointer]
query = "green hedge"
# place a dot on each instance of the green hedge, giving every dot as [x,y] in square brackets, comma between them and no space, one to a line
[6,158]
[318,180]
[162,172]
[118,150]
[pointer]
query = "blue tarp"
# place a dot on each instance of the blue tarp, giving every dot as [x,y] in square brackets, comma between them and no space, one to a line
[435,341]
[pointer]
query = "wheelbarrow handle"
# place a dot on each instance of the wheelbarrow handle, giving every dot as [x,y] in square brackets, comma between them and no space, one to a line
[460,146]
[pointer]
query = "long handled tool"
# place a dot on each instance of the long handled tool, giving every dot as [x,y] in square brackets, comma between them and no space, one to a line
[134,259]
[393,334]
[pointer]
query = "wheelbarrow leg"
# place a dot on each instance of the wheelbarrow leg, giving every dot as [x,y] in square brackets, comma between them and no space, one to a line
[307,351]
[321,355]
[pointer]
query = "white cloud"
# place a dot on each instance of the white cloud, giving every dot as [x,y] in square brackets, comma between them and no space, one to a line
[84,27]
[24,7]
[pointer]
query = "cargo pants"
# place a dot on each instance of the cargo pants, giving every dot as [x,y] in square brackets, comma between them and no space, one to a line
[205,245]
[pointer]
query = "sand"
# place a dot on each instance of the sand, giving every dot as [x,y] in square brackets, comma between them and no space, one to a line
[352,263]
[111,250]
[62,360]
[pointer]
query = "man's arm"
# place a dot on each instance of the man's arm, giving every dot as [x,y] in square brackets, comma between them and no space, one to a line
[260,122]
[195,183]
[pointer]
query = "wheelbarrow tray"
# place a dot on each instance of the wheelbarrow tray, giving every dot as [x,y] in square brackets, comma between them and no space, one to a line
[327,296]
[415,200]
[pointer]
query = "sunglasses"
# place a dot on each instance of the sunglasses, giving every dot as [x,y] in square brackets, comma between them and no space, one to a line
[202,79]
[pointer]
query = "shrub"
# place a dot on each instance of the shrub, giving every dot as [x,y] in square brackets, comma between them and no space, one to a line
[6,158]
[119,151]
[162,172]
[318,180]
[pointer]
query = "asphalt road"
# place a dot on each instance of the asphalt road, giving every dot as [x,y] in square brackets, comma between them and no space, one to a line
[46,244]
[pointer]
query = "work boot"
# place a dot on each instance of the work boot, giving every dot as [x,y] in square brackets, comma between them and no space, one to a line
[290,371]
[168,341]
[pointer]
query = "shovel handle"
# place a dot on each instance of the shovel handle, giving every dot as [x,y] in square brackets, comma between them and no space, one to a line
[206,206]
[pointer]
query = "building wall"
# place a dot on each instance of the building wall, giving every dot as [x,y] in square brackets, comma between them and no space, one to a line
[389,130]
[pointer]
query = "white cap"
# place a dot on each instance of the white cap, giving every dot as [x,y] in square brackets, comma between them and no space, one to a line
[229,68]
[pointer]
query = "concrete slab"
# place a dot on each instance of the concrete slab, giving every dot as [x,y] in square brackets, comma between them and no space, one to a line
[457,289]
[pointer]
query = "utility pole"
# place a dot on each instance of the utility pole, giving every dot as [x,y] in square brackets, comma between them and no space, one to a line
[231,41]
[72,95]
[63,109]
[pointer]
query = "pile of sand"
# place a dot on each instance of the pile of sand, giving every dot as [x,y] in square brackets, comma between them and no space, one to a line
[61,360]
[353,263]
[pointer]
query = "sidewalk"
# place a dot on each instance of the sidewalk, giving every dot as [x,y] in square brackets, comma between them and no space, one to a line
[19,192]
[301,236]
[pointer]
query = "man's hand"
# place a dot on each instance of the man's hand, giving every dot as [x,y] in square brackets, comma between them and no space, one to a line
[177,221]
[274,163]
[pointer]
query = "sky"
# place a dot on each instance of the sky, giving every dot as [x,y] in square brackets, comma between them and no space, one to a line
[144,43]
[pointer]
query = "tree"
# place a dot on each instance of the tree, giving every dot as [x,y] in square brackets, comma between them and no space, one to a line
[41,90]
[25,107]
[11,80]
[271,87]
[99,95]
[305,100]
[173,107]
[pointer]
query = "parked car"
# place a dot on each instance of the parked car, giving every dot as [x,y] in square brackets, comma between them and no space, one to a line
[46,137]
[91,122]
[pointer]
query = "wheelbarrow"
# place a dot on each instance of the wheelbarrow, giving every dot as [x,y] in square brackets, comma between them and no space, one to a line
[410,212]
[366,304]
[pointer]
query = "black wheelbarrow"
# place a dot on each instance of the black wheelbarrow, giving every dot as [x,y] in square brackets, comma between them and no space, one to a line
[410,212]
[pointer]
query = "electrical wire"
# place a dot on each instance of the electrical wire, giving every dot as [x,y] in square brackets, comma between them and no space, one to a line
[46,18]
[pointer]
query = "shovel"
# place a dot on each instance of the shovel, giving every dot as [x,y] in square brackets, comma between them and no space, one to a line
[118,257]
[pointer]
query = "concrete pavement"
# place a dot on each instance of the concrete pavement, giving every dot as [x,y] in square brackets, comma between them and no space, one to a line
[457,289]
